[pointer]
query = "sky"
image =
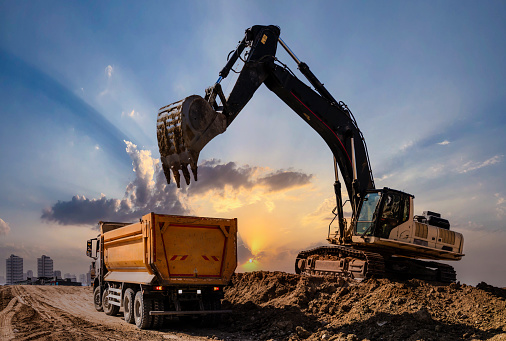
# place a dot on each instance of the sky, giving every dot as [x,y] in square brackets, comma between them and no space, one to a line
[81,84]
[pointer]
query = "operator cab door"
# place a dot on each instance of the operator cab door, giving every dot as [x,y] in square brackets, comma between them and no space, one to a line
[385,214]
[394,222]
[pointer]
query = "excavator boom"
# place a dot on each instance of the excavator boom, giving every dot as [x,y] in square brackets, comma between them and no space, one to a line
[186,126]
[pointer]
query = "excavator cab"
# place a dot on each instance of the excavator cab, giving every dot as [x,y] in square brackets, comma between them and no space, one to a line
[381,212]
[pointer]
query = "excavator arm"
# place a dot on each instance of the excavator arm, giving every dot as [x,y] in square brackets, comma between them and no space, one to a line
[185,127]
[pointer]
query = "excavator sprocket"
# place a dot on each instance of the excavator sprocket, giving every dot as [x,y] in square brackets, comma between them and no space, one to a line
[183,129]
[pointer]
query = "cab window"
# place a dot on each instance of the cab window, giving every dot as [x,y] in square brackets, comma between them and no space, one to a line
[367,212]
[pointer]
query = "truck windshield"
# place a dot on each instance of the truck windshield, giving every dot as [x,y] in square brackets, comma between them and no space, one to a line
[366,216]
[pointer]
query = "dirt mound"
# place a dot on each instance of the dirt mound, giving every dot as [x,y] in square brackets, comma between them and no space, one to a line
[276,306]
[281,306]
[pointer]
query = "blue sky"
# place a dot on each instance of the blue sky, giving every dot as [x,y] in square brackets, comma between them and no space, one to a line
[425,81]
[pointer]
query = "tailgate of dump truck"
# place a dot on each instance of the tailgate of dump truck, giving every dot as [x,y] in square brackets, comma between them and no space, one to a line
[195,248]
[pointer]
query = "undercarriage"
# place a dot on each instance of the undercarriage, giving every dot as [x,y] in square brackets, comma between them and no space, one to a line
[349,262]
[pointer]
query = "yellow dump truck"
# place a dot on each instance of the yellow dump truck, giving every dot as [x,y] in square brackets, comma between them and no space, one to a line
[164,265]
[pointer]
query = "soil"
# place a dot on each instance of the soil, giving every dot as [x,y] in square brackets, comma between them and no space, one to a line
[276,306]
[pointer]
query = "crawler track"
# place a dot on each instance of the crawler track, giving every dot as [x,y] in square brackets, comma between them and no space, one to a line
[370,264]
[374,262]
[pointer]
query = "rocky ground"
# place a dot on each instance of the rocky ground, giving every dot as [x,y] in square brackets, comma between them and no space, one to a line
[276,306]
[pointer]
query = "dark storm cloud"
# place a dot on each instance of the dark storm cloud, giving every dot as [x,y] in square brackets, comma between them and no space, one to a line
[215,175]
[282,180]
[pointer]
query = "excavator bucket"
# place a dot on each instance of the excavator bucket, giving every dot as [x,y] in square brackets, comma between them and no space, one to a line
[183,129]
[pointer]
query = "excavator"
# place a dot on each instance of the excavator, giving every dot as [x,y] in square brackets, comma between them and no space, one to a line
[383,237]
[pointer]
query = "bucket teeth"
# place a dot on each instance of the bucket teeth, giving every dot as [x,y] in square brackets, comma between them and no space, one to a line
[175,155]
[183,129]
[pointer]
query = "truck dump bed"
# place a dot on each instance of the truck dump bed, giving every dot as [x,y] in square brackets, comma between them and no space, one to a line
[171,250]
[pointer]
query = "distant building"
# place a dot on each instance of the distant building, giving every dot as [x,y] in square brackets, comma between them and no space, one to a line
[29,274]
[44,266]
[2,280]
[14,269]
[72,277]
[57,274]
[82,279]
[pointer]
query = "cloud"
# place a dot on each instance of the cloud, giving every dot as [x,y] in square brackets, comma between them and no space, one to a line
[148,192]
[500,206]
[215,176]
[130,114]
[227,186]
[282,180]
[108,71]
[472,165]
[230,186]
[4,228]
[444,143]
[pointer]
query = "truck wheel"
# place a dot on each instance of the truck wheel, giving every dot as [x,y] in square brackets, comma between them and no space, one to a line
[109,309]
[128,305]
[142,307]
[97,300]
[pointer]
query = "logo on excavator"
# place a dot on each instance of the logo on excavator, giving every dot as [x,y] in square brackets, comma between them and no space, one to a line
[307,116]
[264,39]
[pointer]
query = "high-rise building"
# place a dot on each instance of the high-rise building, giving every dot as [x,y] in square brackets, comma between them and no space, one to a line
[14,269]
[82,279]
[72,277]
[29,274]
[44,266]
[57,274]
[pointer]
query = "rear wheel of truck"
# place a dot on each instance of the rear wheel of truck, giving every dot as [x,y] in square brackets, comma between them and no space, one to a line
[128,305]
[97,299]
[109,309]
[142,307]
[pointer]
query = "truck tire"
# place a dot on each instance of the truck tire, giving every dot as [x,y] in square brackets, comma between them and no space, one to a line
[109,309]
[128,305]
[97,299]
[142,307]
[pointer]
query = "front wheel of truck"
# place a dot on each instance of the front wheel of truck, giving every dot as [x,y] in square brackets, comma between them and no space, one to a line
[97,299]
[142,307]
[109,309]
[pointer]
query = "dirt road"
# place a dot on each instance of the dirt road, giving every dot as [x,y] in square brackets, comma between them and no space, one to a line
[67,313]
[276,306]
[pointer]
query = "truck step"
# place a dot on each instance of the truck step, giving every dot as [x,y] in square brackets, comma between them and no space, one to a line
[190,312]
